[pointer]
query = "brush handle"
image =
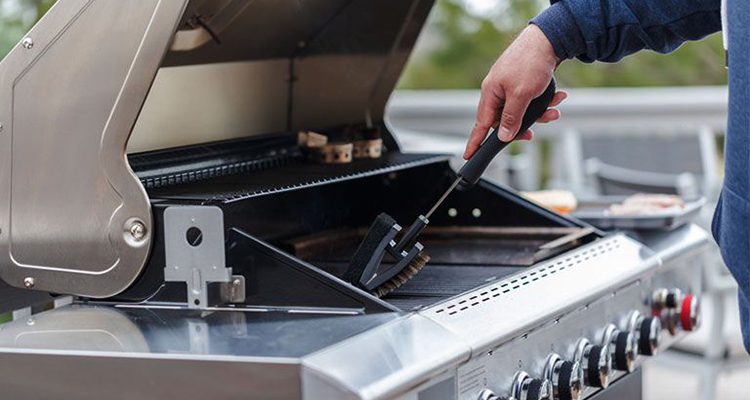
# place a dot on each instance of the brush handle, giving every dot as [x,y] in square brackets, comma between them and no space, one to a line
[412,233]
[473,170]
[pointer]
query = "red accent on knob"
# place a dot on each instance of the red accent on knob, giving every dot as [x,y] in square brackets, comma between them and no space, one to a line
[685,317]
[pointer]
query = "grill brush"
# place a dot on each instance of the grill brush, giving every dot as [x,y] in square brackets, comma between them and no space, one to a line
[365,268]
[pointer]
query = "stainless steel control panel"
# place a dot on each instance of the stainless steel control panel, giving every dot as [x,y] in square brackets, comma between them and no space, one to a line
[582,352]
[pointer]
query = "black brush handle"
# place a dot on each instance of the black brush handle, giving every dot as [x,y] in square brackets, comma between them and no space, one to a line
[474,168]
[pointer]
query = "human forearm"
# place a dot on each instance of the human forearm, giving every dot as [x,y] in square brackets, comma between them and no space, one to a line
[608,30]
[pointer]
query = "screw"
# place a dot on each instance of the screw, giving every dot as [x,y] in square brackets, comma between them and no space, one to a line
[29,283]
[1,127]
[27,43]
[138,231]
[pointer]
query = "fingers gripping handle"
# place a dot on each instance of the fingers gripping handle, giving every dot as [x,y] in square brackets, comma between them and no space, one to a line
[474,168]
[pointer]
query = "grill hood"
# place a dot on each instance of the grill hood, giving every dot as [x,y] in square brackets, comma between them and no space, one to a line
[246,67]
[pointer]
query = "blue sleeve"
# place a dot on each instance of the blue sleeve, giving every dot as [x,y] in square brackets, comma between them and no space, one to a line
[608,30]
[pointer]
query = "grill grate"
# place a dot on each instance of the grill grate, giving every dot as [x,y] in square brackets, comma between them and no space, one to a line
[236,187]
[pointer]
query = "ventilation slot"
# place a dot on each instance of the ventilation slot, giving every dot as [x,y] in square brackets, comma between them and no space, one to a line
[497,290]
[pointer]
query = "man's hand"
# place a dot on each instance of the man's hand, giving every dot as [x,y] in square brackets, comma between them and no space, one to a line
[520,75]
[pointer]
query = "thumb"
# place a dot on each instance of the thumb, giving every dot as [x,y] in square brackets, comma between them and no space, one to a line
[510,121]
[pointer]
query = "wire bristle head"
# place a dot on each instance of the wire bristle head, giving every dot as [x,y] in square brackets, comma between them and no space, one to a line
[416,265]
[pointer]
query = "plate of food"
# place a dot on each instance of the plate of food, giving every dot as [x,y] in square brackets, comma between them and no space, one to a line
[643,211]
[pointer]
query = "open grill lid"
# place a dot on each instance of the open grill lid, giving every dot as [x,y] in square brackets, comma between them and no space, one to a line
[246,67]
[95,80]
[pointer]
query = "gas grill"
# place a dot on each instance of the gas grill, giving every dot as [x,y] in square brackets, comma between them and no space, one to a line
[154,181]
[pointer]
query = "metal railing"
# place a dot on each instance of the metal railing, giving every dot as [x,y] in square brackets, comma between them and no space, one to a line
[441,121]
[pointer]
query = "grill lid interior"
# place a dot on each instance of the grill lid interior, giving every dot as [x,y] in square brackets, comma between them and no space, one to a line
[238,68]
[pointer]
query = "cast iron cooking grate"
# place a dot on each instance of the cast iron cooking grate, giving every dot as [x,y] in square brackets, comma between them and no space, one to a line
[495,291]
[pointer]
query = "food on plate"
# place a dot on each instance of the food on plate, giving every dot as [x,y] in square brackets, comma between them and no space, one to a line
[561,201]
[647,204]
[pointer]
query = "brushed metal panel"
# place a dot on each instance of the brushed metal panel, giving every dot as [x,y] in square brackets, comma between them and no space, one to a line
[69,103]
[544,292]
[202,103]
[384,362]
[87,377]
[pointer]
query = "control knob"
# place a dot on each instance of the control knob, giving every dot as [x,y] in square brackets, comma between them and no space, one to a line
[528,388]
[625,351]
[596,362]
[566,378]
[623,347]
[490,395]
[670,320]
[648,330]
[690,312]
[662,298]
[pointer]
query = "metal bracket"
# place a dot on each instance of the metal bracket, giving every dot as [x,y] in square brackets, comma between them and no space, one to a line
[194,247]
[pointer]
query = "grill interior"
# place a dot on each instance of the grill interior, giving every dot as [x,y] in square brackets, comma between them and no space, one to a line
[316,215]
[461,258]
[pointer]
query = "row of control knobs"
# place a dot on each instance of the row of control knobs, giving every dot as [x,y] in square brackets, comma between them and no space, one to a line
[593,364]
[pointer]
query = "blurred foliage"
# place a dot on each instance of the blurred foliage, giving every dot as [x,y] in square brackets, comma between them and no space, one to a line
[16,18]
[459,46]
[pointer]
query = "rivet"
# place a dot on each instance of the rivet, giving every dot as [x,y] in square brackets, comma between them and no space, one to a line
[27,43]
[29,283]
[1,127]
[137,231]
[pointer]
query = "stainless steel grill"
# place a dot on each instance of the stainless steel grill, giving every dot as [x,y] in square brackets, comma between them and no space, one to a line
[203,251]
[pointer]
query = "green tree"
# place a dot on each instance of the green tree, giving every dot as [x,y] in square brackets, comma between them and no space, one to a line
[16,18]
[458,48]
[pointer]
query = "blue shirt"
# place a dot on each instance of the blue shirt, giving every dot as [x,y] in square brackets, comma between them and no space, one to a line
[608,30]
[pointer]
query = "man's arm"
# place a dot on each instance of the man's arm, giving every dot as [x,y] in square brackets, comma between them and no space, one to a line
[608,30]
[592,30]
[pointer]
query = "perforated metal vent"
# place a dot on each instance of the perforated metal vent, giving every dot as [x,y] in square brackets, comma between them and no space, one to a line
[497,290]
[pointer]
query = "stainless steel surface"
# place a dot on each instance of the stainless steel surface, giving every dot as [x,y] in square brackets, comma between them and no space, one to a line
[86,227]
[384,356]
[226,334]
[201,261]
[69,99]
[234,291]
[199,103]
[281,66]
[493,367]
[574,278]
[392,359]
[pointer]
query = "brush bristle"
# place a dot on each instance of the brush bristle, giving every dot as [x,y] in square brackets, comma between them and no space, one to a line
[416,265]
